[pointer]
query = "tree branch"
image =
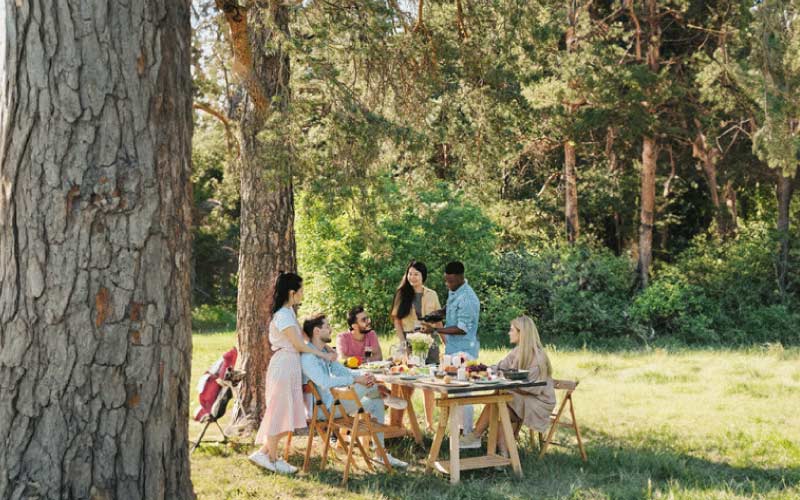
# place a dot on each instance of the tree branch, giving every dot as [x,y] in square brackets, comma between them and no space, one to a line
[229,135]
[236,15]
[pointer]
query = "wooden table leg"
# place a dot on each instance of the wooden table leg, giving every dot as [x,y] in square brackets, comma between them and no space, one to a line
[508,435]
[438,438]
[412,416]
[491,446]
[455,459]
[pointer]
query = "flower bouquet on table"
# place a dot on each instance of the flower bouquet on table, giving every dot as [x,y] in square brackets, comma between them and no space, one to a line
[420,344]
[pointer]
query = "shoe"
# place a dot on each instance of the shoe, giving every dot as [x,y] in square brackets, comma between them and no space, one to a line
[395,403]
[283,467]
[469,442]
[262,460]
[395,462]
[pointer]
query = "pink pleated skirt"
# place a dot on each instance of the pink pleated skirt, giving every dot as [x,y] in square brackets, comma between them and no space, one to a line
[284,396]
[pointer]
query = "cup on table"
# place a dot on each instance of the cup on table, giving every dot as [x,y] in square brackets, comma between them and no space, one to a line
[367,353]
[447,360]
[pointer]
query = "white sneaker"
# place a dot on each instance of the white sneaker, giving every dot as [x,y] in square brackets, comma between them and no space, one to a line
[395,403]
[395,462]
[283,467]
[469,441]
[262,460]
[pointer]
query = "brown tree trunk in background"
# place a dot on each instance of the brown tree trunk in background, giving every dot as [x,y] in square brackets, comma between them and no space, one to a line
[267,242]
[784,192]
[571,193]
[570,174]
[614,171]
[95,243]
[647,219]
[649,154]
[709,156]
[730,205]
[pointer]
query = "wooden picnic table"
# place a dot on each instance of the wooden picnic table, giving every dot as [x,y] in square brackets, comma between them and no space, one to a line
[451,398]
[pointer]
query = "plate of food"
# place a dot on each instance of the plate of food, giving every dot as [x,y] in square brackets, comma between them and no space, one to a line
[409,376]
[487,381]
[447,381]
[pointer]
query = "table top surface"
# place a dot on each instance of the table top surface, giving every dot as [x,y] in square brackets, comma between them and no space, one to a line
[457,387]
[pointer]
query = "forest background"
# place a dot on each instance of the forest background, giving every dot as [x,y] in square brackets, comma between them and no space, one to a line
[622,172]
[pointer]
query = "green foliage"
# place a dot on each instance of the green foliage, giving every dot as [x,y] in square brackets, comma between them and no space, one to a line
[216,224]
[576,294]
[213,318]
[348,260]
[722,292]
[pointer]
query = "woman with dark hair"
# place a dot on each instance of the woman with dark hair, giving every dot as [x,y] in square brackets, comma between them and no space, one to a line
[412,301]
[284,394]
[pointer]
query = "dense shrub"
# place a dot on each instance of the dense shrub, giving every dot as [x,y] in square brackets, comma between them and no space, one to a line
[575,293]
[722,292]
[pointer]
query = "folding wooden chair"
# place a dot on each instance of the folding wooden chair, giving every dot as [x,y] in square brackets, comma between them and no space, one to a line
[568,387]
[356,427]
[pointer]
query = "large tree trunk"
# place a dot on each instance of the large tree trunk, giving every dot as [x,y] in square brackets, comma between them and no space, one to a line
[647,219]
[784,192]
[267,243]
[95,242]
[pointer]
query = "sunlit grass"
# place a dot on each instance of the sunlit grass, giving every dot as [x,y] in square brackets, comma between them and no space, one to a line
[684,424]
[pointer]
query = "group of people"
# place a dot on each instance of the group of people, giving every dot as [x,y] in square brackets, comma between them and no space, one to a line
[303,354]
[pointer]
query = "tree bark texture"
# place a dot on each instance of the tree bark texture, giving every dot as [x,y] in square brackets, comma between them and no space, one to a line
[649,154]
[267,242]
[647,219]
[784,192]
[95,242]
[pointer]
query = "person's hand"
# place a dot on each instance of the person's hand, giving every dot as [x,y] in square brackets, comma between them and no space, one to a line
[366,380]
[330,356]
[427,327]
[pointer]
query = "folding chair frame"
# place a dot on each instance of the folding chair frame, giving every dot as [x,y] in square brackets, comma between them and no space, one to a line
[555,419]
[358,426]
[237,403]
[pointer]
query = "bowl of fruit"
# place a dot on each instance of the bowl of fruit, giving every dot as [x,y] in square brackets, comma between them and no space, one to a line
[477,370]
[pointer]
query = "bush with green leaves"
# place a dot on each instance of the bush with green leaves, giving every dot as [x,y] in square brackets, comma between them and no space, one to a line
[722,292]
[355,252]
[574,293]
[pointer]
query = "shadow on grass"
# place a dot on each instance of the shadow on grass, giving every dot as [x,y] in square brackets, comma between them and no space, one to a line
[613,471]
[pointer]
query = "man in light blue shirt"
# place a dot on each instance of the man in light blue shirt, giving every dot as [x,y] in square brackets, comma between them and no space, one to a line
[328,374]
[461,323]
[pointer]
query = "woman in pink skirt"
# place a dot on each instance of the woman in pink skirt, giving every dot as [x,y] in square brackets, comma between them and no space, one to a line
[284,394]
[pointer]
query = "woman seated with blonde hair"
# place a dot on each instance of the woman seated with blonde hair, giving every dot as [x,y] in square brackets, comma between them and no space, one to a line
[531,406]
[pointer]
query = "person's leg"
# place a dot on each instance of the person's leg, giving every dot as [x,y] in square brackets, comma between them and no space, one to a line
[482,424]
[430,403]
[376,410]
[396,416]
[270,447]
[468,413]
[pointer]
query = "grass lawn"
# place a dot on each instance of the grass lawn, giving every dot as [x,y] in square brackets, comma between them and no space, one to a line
[685,424]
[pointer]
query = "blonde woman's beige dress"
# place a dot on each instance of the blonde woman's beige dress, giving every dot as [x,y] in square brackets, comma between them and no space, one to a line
[533,405]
